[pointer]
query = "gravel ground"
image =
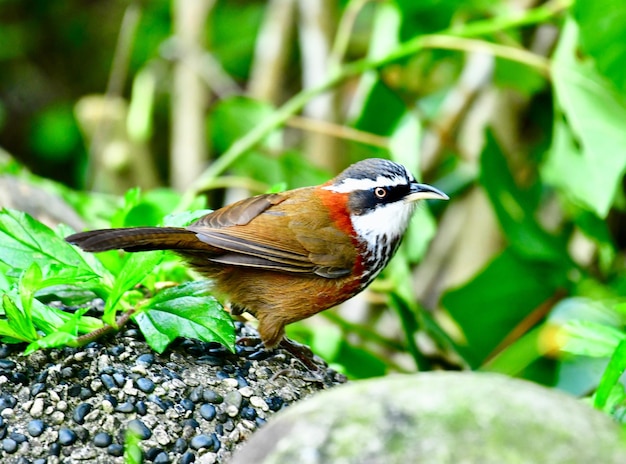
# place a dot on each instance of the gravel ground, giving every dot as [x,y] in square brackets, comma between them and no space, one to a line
[194,403]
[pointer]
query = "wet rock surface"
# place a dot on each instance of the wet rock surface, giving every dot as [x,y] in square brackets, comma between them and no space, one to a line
[196,402]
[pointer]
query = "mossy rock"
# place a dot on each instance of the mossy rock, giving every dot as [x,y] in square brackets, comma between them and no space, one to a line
[441,417]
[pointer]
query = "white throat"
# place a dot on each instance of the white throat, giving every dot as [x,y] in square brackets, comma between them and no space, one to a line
[386,222]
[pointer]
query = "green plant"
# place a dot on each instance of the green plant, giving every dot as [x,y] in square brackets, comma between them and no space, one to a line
[39,265]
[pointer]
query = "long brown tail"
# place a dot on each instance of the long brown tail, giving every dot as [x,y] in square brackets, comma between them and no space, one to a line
[138,239]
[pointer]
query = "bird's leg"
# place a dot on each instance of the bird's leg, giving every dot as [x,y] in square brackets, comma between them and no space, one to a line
[301,352]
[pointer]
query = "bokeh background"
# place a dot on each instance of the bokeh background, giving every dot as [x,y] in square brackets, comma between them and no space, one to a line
[515,108]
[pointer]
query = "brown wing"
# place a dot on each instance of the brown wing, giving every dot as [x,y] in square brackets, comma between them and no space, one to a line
[277,232]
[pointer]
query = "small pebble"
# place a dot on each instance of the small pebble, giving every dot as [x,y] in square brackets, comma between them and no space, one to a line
[36,410]
[212,397]
[171,374]
[241,382]
[208,411]
[81,411]
[85,393]
[35,427]
[82,433]
[161,458]
[274,402]
[126,407]
[119,379]
[7,401]
[41,377]
[37,388]
[248,413]
[66,436]
[159,402]
[196,394]
[102,440]
[108,381]
[140,429]
[54,449]
[210,360]
[260,355]
[5,351]
[146,359]
[187,458]
[18,437]
[259,402]
[201,441]
[246,392]
[145,385]
[216,442]
[180,445]
[141,407]
[221,375]
[152,453]
[117,350]
[191,422]
[115,449]
[9,445]
[74,390]
[111,399]
[187,404]
[7,364]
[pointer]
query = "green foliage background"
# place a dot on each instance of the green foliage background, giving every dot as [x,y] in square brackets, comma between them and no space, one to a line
[517,114]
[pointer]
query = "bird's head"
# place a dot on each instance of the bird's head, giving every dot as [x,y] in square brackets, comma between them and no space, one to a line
[380,198]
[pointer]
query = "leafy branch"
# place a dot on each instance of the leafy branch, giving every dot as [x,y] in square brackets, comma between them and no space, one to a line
[41,265]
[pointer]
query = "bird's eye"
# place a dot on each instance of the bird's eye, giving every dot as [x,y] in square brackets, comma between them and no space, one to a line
[380,192]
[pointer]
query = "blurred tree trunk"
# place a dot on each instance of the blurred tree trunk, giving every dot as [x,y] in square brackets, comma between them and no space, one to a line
[189,94]
[272,51]
[317,26]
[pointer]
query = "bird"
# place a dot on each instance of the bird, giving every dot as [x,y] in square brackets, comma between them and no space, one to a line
[284,257]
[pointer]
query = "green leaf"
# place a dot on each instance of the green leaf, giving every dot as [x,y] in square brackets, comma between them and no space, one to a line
[185,218]
[52,340]
[515,208]
[603,36]
[49,319]
[236,116]
[29,282]
[587,338]
[489,306]
[587,159]
[20,323]
[24,240]
[136,267]
[186,310]
[405,142]
[64,335]
[7,334]
[611,375]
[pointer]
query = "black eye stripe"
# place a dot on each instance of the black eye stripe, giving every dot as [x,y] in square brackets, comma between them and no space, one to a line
[364,201]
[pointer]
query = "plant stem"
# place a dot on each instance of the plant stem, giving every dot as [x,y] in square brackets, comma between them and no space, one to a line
[105,329]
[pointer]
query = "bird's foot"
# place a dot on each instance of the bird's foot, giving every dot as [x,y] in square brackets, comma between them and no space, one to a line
[302,353]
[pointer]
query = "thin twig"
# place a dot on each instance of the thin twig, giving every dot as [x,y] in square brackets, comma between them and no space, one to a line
[105,329]
[339,131]
[519,55]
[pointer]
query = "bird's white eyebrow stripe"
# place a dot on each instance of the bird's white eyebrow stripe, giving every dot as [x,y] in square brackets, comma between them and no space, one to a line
[352,185]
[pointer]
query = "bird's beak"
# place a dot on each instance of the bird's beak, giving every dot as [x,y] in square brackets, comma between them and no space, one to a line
[425,192]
